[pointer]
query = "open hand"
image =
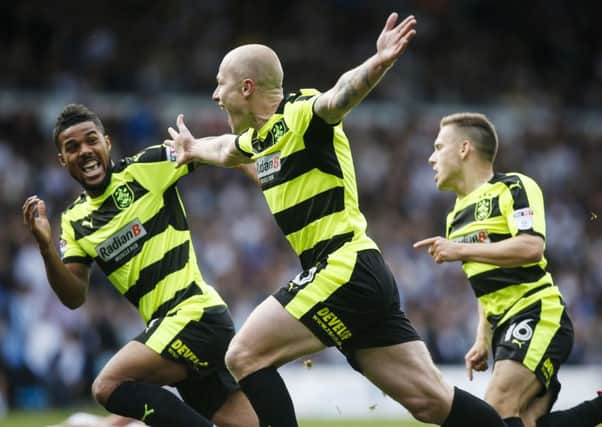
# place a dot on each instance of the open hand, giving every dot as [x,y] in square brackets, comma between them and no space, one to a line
[182,142]
[34,216]
[394,39]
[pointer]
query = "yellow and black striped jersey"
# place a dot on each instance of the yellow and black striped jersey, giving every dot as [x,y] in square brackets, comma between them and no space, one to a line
[137,233]
[308,179]
[507,205]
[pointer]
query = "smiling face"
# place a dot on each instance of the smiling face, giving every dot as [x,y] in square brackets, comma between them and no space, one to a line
[447,158]
[84,151]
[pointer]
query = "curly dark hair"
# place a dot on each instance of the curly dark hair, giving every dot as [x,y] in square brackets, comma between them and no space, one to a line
[71,115]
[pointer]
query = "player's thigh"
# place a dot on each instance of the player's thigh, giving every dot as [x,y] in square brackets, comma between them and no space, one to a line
[405,372]
[537,408]
[512,387]
[136,362]
[529,349]
[270,337]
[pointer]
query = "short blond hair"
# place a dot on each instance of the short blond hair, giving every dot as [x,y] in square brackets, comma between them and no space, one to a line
[478,129]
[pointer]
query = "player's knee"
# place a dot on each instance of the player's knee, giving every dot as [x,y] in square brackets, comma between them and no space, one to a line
[232,419]
[504,399]
[427,408]
[239,359]
[102,388]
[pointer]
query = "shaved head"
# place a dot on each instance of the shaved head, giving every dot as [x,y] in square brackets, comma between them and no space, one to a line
[256,62]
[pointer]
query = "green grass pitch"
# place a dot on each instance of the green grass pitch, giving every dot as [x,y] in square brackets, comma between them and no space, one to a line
[45,418]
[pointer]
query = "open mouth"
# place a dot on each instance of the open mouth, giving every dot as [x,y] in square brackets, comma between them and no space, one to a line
[91,167]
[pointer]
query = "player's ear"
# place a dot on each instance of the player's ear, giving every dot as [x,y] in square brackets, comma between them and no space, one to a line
[61,160]
[465,148]
[108,141]
[248,87]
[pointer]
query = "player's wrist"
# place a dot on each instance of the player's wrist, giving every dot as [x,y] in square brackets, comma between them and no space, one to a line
[462,251]
[45,247]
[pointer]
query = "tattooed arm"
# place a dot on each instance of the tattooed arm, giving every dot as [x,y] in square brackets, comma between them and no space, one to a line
[353,86]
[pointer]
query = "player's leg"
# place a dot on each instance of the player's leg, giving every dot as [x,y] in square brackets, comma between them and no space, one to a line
[190,343]
[511,389]
[407,374]
[235,411]
[269,338]
[529,348]
[387,350]
[586,414]
[210,388]
[219,398]
[540,405]
[130,385]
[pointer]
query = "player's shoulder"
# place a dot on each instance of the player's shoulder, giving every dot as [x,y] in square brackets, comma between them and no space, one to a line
[152,154]
[79,200]
[76,208]
[513,179]
[301,95]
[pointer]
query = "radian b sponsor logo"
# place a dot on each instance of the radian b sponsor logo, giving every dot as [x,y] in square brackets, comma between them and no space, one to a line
[267,166]
[480,236]
[124,240]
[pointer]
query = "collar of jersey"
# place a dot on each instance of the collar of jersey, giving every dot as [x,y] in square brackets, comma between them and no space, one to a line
[466,200]
[263,130]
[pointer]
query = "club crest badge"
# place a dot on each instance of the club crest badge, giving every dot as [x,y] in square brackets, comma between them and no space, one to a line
[123,196]
[482,210]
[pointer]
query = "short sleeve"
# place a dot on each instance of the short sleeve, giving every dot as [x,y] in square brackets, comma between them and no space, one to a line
[69,249]
[244,142]
[300,112]
[154,167]
[523,207]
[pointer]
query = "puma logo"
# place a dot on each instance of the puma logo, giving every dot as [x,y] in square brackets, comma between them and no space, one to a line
[515,185]
[147,411]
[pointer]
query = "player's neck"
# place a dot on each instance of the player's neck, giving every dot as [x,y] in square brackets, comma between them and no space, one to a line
[473,179]
[267,105]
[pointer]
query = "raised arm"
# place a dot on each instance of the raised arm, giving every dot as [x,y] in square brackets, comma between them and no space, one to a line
[214,150]
[68,281]
[353,86]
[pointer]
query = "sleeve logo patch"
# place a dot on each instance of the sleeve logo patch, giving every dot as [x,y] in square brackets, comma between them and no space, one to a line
[523,218]
[62,247]
[170,154]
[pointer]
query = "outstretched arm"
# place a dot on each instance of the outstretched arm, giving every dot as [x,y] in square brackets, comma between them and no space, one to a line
[214,150]
[353,86]
[68,281]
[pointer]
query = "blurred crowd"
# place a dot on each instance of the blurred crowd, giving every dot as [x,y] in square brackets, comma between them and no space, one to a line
[537,72]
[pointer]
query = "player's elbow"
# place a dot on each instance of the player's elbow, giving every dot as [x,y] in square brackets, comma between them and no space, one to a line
[74,301]
[534,253]
[332,116]
[73,304]
[331,106]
